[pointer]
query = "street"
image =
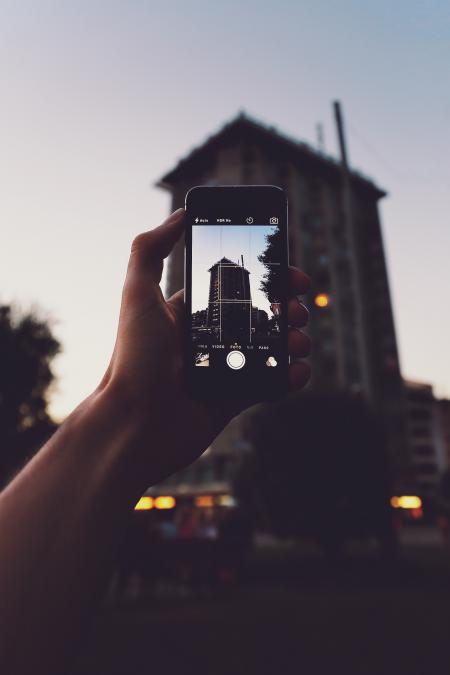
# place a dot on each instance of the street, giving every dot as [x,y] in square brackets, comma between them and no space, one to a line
[291,615]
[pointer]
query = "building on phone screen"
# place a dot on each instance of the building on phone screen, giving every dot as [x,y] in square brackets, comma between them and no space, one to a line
[230,301]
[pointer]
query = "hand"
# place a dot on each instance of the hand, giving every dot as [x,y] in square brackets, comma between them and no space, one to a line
[144,377]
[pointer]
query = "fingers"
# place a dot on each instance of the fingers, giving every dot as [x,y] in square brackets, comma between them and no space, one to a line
[299,374]
[176,302]
[297,313]
[150,248]
[299,344]
[299,282]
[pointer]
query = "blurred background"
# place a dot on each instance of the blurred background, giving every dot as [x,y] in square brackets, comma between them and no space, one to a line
[314,533]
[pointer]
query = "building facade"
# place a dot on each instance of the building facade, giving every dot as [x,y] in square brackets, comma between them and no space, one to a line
[444,422]
[335,237]
[426,439]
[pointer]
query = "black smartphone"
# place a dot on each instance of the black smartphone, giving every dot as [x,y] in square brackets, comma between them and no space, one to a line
[236,292]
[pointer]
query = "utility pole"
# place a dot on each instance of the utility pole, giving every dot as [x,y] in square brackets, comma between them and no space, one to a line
[357,275]
[341,135]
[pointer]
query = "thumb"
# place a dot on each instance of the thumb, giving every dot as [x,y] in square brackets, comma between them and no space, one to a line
[149,249]
[176,301]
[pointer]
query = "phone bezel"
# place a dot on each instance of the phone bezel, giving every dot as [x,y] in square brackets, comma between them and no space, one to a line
[239,198]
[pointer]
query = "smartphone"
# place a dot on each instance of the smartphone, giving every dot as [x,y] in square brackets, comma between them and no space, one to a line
[236,292]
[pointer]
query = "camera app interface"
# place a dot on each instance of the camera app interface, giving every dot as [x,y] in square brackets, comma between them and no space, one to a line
[236,295]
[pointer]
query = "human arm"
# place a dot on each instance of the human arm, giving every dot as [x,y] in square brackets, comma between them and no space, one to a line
[61,516]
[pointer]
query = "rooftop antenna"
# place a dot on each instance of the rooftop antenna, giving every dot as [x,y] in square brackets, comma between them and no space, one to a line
[320,137]
[242,259]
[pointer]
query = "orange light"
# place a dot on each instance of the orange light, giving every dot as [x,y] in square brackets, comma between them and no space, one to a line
[406,502]
[204,501]
[165,502]
[416,513]
[144,504]
[322,300]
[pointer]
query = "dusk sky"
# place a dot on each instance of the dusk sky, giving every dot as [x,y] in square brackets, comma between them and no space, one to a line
[212,243]
[99,99]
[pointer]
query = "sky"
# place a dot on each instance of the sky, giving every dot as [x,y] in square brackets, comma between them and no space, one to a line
[212,243]
[99,99]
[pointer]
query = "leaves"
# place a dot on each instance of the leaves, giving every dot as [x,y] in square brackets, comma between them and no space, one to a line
[271,281]
[27,348]
[318,468]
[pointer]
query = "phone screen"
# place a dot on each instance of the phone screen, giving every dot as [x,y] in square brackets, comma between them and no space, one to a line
[236,260]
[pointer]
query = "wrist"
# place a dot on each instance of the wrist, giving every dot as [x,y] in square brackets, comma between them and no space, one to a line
[129,432]
[99,439]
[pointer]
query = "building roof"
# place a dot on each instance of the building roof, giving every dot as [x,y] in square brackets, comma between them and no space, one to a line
[226,261]
[417,386]
[243,127]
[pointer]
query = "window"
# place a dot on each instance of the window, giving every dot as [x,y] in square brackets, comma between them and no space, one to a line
[423,450]
[248,165]
[420,432]
[427,469]
[420,414]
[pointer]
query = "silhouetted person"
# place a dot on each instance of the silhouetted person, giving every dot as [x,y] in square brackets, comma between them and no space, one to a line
[135,561]
[235,537]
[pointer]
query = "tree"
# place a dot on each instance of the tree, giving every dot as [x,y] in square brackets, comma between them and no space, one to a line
[271,282]
[318,468]
[27,348]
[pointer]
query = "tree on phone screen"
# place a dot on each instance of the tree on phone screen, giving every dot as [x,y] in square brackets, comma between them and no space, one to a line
[271,258]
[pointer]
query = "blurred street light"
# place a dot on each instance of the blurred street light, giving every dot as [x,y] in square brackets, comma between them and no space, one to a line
[204,501]
[144,504]
[406,502]
[225,500]
[322,300]
[164,502]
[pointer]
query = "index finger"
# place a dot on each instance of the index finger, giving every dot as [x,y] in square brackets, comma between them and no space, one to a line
[299,282]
